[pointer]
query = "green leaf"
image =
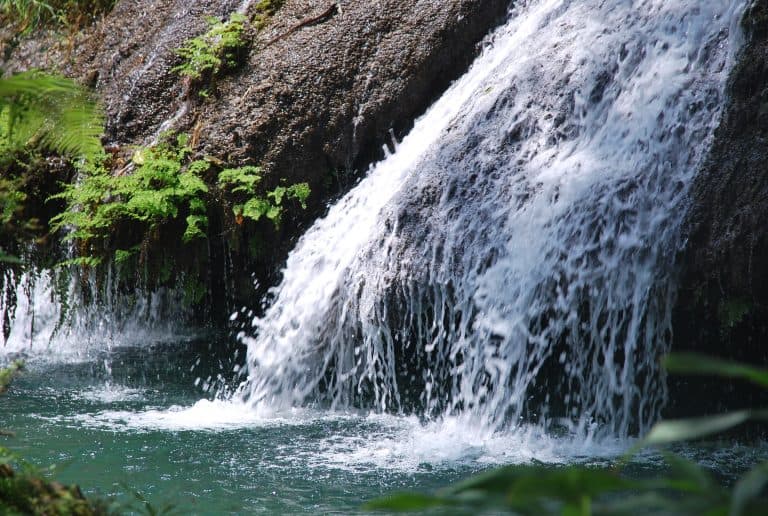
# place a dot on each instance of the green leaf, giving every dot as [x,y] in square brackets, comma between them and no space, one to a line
[7,258]
[121,255]
[191,184]
[274,213]
[256,208]
[403,502]
[677,430]
[694,363]
[749,488]
[300,192]
[277,194]
[9,373]
[44,110]
[196,225]
[82,261]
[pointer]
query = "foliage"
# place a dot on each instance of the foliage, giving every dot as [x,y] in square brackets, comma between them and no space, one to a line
[159,189]
[214,51]
[39,110]
[28,15]
[164,186]
[264,10]
[580,490]
[244,182]
[733,311]
[8,373]
[39,113]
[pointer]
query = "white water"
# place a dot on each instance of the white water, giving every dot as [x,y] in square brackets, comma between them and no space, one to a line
[49,319]
[513,259]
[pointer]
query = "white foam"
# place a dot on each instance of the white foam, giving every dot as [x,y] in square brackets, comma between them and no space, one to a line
[111,393]
[533,212]
[362,442]
[48,325]
[205,415]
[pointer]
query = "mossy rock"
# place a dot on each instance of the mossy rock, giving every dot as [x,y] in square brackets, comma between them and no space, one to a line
[28,494]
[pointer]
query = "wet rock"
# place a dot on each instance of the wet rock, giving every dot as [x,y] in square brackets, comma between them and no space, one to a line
[319,91]
[311,97]
[722,308]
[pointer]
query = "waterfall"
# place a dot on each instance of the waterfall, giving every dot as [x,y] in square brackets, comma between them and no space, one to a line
[64,315]
[514,258]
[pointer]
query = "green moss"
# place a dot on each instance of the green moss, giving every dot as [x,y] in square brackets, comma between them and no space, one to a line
[733,311]
[264,10]
[216,50]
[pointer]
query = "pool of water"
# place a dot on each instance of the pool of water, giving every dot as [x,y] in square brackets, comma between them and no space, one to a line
[146,419]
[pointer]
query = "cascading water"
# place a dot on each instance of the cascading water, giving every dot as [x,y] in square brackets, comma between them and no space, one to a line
[514,257]
[46,314]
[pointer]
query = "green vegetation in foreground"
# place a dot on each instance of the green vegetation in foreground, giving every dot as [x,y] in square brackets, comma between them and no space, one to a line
[39,113]
[581,490]
[28,15]
[165,186]
[39,110]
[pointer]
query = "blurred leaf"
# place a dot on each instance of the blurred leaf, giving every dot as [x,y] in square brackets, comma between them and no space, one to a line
[7,258]
[43,110]
[749,488]
[677,430]
[694,363]
[404,502]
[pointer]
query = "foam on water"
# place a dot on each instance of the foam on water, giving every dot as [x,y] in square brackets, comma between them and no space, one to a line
[359,442]
[513,260]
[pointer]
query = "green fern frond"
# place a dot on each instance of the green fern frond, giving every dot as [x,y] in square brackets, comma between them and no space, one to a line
[42,110]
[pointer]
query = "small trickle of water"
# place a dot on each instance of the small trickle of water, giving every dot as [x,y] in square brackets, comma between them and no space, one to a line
[513,259]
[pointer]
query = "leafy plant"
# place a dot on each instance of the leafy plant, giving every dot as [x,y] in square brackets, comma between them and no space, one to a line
[165,185]
[40,114]
[214,51]
[42,110]
[28,15]
[159,189]
[580,490]
[8,373]
[244,182]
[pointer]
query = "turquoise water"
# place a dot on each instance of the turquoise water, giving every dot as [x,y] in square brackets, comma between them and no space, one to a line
[132,419]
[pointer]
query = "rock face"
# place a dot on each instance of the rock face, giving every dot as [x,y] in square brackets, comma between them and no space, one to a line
[321,88]
[722,307]
[311,98]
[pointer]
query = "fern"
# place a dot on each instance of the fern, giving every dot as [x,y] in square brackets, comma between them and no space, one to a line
[46,111]
[213,51]
[245,182]
[159,190]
